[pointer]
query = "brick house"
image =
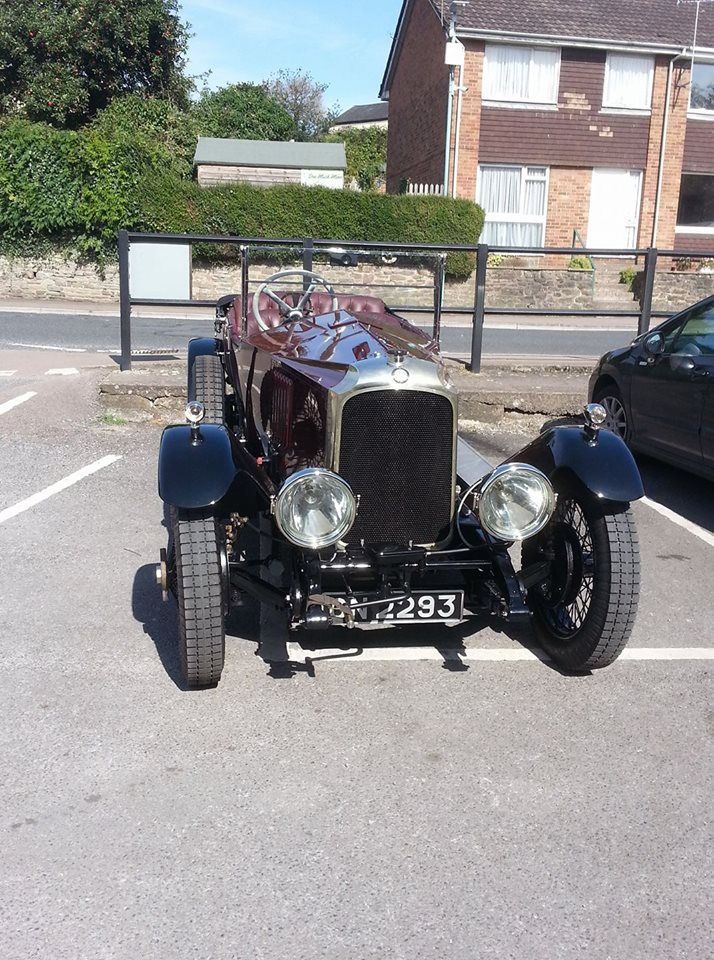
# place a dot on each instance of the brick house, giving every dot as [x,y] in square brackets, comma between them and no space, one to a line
[556,118]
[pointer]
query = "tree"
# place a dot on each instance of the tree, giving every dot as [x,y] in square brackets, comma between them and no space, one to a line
[366,154]
[61,61]
[245,111]
[304,99]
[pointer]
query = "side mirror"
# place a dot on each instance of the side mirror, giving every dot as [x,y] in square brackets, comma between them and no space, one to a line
[654,345]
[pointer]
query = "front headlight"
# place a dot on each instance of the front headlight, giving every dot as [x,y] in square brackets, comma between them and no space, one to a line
[516,502]
[315,508]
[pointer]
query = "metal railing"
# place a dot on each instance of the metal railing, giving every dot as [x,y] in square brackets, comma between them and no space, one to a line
[308,247]
[578,240]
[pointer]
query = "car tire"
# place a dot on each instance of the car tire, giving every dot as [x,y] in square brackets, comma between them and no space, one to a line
[617,420]
[200,595]
[208,387]
[584,613]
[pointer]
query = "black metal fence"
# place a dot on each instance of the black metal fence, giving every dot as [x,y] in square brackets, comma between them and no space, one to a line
[309,247]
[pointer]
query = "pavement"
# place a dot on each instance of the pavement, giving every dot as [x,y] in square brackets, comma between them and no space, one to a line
[426,796]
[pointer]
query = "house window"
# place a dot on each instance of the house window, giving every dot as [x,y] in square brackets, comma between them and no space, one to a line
[702,89]
[628,82]
[521,74]
[696,204]
[515,201]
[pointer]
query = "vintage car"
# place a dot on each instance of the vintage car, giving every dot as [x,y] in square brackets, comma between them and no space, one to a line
[326,427]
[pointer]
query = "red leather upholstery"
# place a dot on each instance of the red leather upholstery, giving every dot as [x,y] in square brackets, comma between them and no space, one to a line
[320,301]
[269,311]
[351,302]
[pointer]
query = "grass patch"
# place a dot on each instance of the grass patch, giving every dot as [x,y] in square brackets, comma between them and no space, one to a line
[113,420]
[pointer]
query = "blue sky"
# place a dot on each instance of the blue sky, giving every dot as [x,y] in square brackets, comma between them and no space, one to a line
[344,43]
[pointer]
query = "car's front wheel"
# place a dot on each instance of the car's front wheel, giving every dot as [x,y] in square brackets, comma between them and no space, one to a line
[209,387]
[200,593]
[585,610]
[617,420]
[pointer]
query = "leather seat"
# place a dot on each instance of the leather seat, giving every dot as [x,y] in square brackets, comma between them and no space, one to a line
[320,301]
[269,311]
[351,302]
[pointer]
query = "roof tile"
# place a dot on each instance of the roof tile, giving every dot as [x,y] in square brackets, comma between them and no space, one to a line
[653,22]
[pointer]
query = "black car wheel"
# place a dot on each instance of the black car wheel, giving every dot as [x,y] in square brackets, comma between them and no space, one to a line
[584,612]
[200,594]
[611,399]
[208,387]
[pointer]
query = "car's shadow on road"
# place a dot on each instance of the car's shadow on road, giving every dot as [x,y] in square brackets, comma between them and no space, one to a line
[158,620]
[450,642]
[688,495]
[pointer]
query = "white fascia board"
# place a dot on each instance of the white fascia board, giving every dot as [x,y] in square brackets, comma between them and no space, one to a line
[548,40]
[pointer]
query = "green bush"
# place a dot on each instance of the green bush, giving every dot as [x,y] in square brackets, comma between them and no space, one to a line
[580,262]
[39,184]
[158,125]
[627,277]
[366,154]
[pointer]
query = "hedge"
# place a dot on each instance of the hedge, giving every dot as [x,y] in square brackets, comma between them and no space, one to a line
[295,211]
[78,189]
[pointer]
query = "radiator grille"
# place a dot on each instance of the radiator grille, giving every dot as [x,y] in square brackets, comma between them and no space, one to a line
[396,452]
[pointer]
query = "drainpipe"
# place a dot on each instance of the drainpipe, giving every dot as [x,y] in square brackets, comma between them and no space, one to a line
[461,90]
[663,145]
[449,111]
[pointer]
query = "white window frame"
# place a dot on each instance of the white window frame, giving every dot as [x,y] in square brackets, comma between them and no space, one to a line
[695,231]
[529,218]
[698,113]
[516,102]
[629,111]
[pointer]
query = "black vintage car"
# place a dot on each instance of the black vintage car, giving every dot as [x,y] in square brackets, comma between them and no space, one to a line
[659,392]
[328,424]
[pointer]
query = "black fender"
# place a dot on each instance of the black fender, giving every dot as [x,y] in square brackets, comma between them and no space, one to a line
[603,464]
[200,347]
[210,468]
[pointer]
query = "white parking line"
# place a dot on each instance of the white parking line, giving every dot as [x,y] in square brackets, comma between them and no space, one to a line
[48,492]
[298,654]
[44,346]
[7,373]
[11,404]
[694,528]
[61,372]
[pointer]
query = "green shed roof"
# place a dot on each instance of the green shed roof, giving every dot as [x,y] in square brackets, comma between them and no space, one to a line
[267,153]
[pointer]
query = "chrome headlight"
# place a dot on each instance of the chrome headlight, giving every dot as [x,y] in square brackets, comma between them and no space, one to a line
[516,502]
[315,508]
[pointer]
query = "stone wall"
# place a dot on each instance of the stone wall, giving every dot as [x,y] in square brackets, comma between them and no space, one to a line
[675,291]
[56,278]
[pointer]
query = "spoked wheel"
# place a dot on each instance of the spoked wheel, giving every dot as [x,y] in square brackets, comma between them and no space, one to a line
[611,400]
[208,384]
[585,610]
[201,596]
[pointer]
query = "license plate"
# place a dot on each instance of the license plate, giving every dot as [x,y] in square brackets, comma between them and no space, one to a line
[422,606]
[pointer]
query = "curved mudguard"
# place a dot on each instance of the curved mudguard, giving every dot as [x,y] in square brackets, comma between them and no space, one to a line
[200,347]
[214,468]
[603,465]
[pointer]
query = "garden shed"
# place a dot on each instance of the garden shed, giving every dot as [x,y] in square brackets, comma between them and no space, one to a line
[266,163]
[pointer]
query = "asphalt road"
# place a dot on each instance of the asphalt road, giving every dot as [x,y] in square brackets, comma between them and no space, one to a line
[425,810]
[152,333]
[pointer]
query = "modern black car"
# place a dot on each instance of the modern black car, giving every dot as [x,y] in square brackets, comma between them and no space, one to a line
[659,391]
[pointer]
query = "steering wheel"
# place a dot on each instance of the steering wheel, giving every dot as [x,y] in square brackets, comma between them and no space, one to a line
[290,313]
